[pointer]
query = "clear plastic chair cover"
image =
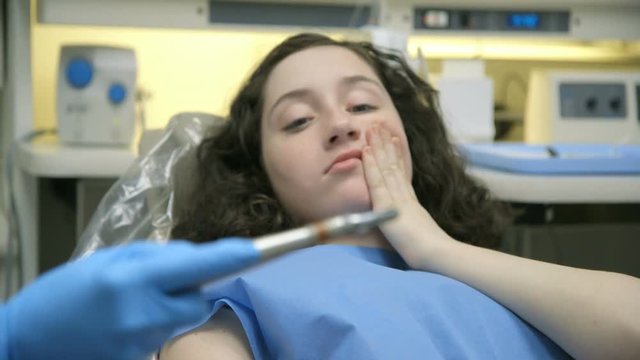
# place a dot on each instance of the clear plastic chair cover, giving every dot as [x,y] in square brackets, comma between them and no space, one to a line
[140,203]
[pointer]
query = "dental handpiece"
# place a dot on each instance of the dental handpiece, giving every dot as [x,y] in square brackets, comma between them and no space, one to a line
[319,232]
[272,245]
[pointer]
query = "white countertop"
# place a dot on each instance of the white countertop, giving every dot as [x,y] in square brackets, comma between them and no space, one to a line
[48,158]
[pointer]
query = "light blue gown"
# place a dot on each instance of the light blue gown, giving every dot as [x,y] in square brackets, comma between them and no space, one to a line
[348,302]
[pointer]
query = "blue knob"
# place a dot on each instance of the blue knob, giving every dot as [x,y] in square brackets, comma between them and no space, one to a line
[79,72]
[117,93]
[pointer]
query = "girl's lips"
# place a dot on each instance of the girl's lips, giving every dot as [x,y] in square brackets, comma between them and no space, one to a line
[345,161]
[344,165]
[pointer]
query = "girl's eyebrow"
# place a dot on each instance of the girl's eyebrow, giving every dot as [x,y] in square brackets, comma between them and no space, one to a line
[351,80]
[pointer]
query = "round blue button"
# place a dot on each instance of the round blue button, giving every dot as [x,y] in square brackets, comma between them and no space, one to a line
[79,72]
[117,93]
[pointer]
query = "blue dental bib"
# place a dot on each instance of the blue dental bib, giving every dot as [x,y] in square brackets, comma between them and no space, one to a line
[348,302]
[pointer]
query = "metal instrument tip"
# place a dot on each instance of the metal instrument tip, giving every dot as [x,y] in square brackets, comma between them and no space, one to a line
[364,222]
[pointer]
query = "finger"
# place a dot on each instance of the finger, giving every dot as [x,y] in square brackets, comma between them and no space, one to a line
[184,265]
[387,160]
[389,149]
[380,197]
[378,147]
[402,178]
[393,152]
[398,155]
[394,158]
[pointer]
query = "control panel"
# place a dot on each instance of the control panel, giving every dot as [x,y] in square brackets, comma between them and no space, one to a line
[442,19]
[606,101]
[95,95]
[573,106]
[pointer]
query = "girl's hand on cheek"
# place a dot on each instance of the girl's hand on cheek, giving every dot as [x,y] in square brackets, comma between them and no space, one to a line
[414,231]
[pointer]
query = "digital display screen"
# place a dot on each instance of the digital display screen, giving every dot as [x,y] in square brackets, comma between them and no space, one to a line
[525,21]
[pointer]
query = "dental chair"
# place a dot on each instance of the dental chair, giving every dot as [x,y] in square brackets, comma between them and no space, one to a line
[141,203]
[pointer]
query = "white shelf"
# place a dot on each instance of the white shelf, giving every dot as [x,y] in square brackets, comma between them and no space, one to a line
[559,189]
[47,157]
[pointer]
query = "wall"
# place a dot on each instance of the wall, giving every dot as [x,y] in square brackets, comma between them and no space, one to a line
[185,70]
[200,70]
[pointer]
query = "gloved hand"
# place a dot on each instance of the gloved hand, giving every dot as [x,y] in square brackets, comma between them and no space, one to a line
[119,303]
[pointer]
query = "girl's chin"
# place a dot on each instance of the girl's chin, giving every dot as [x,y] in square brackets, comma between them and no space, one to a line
[355,205]
[342,209]
[355,196]
[353,200]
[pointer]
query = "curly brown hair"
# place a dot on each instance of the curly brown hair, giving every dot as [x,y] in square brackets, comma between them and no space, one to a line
[234,195]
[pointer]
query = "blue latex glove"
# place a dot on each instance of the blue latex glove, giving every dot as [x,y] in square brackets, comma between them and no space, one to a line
[119,303]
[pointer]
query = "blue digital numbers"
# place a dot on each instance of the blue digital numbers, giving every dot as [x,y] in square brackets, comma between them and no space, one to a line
[523,21]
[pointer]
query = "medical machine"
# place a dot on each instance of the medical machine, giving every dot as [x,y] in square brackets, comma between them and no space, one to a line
[466,100]
[96,95]
[583,107]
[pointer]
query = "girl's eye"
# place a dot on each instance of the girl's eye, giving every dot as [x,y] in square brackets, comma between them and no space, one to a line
[297,124]
[362,108]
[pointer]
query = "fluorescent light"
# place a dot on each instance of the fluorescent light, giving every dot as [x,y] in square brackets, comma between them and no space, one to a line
[524,49]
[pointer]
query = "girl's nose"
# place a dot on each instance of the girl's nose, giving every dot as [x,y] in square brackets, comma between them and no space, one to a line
[343,129]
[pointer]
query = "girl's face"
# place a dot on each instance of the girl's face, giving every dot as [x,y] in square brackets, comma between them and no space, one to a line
[318,104]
